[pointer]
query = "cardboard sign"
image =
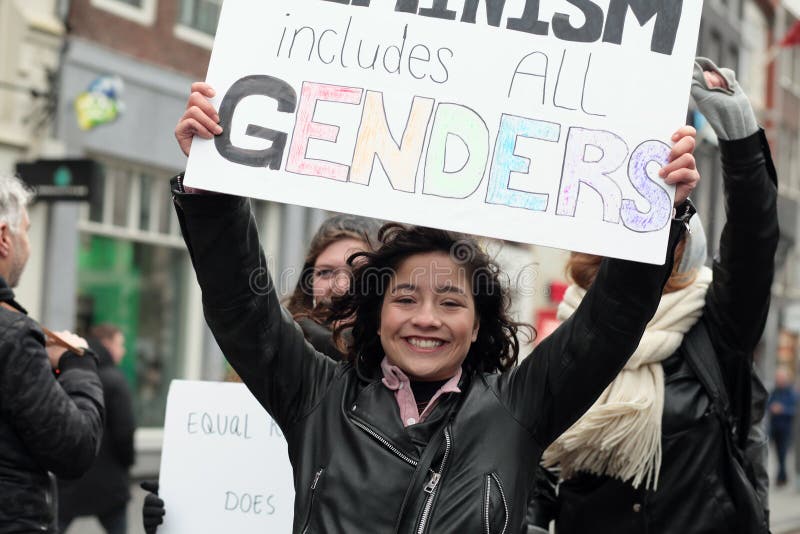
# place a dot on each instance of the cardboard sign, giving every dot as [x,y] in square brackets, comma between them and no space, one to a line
[224,466]
[539,121]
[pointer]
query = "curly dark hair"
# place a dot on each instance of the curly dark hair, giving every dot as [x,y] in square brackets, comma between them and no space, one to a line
[335,228]
[496,347]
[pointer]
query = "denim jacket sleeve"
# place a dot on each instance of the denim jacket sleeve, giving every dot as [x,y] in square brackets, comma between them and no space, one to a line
[257,335]
[569,370]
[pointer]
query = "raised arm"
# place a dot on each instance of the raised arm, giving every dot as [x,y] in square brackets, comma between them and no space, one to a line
[739,296]
[569,370]
[258,337]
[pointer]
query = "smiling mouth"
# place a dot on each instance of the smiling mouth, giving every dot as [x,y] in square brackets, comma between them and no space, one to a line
[426,344]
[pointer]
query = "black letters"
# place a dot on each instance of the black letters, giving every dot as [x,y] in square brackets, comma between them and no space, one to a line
[260,85]
[494,11]
[439,10]
[529,21]
[668,18]
[591,29]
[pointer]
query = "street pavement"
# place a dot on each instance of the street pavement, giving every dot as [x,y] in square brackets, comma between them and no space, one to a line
[784,505]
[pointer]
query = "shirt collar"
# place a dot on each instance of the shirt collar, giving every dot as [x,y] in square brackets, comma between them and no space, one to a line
[394,378]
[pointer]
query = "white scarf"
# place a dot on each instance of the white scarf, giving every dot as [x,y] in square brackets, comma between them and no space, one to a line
[620,435]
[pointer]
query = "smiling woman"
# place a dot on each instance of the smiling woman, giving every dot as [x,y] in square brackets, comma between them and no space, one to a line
[428,322]
[436,302]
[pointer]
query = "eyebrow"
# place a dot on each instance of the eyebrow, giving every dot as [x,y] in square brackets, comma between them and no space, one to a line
[439,290]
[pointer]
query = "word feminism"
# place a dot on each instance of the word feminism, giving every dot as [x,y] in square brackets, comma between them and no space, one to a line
[449,121]
[596,24]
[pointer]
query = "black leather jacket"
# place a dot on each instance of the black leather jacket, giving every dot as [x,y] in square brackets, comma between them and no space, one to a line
[46,424]
[690,497]
[469,467]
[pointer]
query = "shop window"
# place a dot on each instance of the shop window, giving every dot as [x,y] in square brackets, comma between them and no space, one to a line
[134,272]
[141,288]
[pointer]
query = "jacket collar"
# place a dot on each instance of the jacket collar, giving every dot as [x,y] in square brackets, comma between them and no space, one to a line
[7,296]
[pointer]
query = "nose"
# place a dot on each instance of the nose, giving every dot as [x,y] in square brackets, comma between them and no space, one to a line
[426,317]
[341,282]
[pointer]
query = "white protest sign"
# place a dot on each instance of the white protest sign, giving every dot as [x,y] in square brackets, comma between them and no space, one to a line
[540,121]
[224,465]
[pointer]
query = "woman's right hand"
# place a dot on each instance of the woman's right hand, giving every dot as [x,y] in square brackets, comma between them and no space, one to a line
[153,509]
[200,117]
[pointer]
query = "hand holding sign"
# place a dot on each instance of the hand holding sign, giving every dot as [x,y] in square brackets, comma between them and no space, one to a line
[545,137]
[681,171]
[200,118]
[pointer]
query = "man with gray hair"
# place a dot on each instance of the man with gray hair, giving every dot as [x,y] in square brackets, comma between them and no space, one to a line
[51,399]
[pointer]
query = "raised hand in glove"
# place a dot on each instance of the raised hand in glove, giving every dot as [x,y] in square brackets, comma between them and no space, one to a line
[722,101]
[153,509]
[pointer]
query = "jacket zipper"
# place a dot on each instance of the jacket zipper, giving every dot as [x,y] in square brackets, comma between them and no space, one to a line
[386,444]
[489,479]
[311,500]
[433,484]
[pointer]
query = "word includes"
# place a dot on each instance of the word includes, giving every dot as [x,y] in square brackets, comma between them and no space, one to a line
[327,45]
[590,156]
[218,425]
[247,503]
[595,24]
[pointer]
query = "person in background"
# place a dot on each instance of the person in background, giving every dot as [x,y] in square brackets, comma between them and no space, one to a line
[646,457]
[782,405]
[326,274]
[51,399]
[104,490]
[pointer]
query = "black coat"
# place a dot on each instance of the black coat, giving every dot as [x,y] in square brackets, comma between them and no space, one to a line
[356,468]
[690,497]
[105,487]
[46,424]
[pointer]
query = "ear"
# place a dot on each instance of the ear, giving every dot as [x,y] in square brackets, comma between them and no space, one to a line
[475,328]
[5,240]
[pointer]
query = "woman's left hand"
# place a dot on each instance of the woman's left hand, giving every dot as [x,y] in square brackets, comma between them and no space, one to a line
[681,171]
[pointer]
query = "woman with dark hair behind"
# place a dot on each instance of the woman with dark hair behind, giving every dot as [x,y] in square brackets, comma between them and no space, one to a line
[428,426]
[326,273]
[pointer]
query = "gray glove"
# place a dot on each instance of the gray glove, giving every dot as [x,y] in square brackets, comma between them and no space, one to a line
[728,110]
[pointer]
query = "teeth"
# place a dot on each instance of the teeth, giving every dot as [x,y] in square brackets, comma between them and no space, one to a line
[425,343]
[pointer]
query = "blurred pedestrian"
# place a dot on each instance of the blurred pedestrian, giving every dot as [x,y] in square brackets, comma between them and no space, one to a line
[782,405]
[104,490]
[51,399]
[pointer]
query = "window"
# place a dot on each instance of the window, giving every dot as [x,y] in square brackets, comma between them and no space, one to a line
[134,272]
[132,201]
[201,15]
[141,11]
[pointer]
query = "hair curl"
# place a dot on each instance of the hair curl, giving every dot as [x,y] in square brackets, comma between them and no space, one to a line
[496,347]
